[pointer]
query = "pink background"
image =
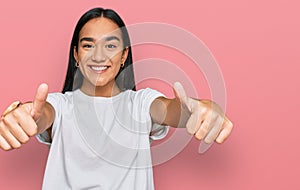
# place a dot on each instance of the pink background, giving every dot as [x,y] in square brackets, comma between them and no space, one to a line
[256,44]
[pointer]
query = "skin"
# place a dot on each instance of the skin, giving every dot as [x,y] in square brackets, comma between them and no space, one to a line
[26,121]
[100,43]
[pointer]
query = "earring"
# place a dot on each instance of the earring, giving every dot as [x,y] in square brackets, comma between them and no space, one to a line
[122,65]
[76,64]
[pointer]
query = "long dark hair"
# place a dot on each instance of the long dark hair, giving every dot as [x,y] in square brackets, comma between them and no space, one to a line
[125,77]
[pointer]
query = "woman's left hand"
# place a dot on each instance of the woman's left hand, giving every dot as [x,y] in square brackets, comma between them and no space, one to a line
[206,119]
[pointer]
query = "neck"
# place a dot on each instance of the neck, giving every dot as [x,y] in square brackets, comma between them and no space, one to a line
[108,90]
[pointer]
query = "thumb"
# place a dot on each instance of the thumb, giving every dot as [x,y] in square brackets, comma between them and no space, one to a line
[39,101]
[180,93]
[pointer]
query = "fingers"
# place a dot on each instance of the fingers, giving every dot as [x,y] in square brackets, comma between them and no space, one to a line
[207,122]
[215,128]
[29,126]
[226,130]
[13,128]
[17,127]
[180,93]
[194,122]
[4,144]
[8,140]
[209,127]
[203,129]
[11,140]
[39,101]
[19,123]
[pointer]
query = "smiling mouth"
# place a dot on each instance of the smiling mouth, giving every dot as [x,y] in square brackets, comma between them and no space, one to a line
[99,68]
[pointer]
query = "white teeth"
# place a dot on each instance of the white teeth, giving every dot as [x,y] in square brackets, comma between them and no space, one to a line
[101,68]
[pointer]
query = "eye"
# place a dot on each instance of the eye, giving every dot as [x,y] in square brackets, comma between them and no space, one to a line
[87,46]
[110,46]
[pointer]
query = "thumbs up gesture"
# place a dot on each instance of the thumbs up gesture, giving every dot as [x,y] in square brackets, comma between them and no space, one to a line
[206,120]
[19,121]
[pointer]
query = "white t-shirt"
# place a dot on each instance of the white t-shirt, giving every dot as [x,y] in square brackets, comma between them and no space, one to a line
[101,143]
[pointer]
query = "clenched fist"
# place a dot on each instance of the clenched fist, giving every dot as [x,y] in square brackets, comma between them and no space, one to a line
[22,122]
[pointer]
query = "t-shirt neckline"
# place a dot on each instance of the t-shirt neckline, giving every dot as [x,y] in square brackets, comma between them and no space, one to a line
[99,98]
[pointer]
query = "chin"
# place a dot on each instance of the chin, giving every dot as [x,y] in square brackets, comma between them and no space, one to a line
[101,83]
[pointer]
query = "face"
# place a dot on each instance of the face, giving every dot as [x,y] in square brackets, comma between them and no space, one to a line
[100,53]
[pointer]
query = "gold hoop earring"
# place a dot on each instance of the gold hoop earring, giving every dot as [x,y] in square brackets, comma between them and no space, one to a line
[122,65]
[76,64]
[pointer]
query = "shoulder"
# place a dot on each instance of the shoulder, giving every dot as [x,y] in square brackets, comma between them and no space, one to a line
[143,98]
[58,98]
[142,95]
[59,95]
[146,92]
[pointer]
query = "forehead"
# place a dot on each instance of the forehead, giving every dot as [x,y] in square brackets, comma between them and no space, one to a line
[100,27]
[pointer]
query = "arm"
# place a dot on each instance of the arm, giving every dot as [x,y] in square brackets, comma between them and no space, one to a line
[27,120]
[168,112]
[202,118]
[42,112]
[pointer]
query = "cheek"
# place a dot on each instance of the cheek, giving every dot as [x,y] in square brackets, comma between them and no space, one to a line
[116,59]
[82,55]
[115,54]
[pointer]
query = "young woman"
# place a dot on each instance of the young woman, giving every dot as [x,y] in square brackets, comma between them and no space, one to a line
[99,127]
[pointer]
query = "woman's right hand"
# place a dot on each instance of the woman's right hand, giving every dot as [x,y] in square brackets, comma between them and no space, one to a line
[18,125]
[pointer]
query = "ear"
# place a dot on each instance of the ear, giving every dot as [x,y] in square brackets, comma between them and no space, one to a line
[75,54]
[125,54]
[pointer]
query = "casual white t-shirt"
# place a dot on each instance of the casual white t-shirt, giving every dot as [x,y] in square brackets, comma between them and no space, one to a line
[101,143]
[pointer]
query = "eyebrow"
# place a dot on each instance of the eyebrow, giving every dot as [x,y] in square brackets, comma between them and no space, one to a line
[108,38]
[87,39]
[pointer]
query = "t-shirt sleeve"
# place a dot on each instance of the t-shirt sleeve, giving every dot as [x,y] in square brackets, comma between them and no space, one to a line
[55,99]
[148,96]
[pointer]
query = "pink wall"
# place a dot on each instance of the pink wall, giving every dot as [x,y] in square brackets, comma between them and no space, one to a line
[256,44]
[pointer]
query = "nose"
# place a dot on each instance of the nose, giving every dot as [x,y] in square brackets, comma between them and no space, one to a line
[98,55]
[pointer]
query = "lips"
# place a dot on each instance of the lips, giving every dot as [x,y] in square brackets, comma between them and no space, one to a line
[98,68]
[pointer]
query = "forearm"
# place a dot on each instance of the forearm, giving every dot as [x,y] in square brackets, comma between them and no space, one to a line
[169,112]
[202,118]
[46,119]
